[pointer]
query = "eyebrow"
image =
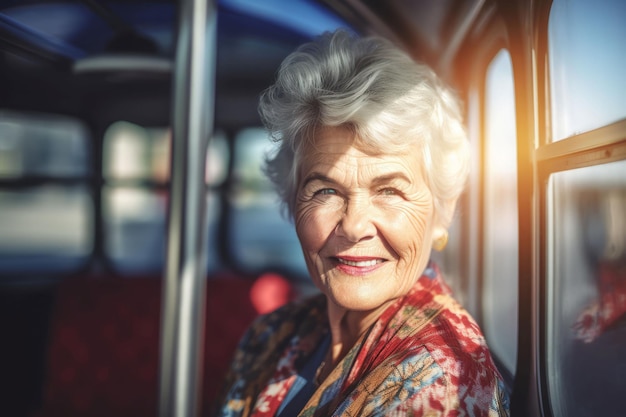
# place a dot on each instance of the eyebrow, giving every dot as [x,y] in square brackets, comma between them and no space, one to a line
[383,179]
[316,176]
[392,176]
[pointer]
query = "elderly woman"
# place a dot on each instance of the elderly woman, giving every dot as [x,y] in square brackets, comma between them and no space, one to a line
[372,158]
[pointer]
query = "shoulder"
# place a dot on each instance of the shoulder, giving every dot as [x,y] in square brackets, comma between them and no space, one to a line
[458,350]
[259,349]
[455,333]
[308,308]
[458,371]
[447,376]
[422,381]
[271,329]
[451,332]
[434,360]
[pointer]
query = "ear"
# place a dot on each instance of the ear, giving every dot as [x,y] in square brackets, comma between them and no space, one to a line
[440,238]
[442,220]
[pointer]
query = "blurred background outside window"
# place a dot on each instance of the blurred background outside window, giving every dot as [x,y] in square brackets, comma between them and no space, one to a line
[46,213]
[136,170]
[500,250]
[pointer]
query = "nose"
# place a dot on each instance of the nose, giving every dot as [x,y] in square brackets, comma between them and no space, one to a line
[356,223]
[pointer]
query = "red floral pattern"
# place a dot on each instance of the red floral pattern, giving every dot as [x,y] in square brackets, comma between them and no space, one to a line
[425,356]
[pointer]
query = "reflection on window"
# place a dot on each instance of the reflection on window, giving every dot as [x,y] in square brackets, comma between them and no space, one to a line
[500,265]
[587,298]
[260,237]
[587,61]
[134,213]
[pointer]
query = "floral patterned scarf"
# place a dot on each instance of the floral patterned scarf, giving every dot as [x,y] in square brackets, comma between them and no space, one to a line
[424,356]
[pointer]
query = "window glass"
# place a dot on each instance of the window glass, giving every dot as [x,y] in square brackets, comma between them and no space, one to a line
[135,220]
[136,152]
[135,225]
[500,265]
[587,297]
[587,60]
[42,145]
[260,237]
[45,228]
[135,213]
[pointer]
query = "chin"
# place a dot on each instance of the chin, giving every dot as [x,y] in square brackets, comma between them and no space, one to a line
[355,299]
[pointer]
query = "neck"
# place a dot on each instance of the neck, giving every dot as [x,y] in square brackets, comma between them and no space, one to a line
[346,327]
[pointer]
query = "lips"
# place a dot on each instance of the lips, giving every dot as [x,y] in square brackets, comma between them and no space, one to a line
[360,263]
[358,266]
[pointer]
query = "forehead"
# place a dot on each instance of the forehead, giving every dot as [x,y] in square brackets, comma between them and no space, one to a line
[336,147]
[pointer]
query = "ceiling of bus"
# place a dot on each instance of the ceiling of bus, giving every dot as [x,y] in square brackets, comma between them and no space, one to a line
[253,36]
[432,30]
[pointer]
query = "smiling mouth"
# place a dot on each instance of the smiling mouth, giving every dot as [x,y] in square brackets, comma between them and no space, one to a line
[361,264]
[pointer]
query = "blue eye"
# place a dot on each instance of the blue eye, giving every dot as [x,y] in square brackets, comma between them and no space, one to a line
[326,191]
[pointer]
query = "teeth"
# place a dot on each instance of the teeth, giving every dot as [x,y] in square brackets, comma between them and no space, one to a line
[360,263]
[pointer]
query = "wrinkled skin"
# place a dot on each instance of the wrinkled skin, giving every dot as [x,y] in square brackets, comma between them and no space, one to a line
[365,220]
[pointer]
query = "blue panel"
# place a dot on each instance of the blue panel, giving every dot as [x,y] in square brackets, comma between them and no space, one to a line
[74,30]
[307,17]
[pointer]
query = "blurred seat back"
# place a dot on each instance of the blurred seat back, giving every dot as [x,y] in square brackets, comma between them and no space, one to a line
[103,357]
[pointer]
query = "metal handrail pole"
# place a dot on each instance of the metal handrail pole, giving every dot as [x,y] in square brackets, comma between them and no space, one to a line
[182,323]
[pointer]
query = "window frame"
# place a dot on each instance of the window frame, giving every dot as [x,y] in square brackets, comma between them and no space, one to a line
[592,148]
[493,39]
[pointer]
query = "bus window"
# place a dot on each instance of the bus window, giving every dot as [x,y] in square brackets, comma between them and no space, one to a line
[587,321]
[500,272]
[134,152]
[45,206]
[136,170]
[586,229]
[261,237]
[587,61]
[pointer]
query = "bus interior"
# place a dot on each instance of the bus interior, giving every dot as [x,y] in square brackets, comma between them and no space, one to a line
[96,100]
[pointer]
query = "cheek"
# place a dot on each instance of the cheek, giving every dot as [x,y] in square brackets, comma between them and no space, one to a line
[313,225]
[409,229]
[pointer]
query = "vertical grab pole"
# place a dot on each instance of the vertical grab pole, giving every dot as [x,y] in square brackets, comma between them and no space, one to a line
[182,320]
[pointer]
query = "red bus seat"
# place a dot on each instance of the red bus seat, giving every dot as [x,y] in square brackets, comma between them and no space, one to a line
[104,342]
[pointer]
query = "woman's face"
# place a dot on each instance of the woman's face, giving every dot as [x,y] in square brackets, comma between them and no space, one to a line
[365,221]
